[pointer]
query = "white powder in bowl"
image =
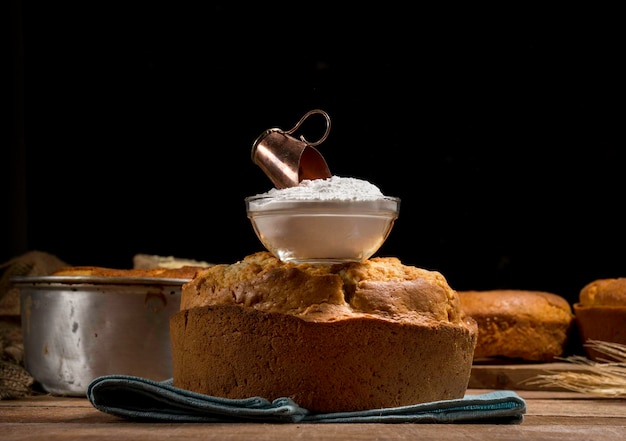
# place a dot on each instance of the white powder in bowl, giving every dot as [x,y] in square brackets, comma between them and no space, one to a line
[332,189]
[323,220]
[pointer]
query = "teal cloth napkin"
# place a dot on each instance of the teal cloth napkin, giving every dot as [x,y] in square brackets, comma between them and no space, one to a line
[141,399]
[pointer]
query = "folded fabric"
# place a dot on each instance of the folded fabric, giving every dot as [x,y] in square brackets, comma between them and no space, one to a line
[142,399]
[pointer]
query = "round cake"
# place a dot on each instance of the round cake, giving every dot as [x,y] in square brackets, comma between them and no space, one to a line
[601,314]
[519,324]
[334,338]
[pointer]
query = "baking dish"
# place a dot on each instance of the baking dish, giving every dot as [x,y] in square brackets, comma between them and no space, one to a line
[77,328]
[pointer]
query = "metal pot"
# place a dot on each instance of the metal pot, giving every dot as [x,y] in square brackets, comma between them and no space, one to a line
[78,328]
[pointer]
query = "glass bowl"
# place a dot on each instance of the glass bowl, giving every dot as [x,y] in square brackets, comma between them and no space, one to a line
[322,231]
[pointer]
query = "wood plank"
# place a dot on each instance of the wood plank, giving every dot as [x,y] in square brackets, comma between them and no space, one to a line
[517,376]
[545,430]
[550,415]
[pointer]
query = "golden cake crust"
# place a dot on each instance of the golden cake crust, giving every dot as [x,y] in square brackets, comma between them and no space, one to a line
[604,292]
[380,286]
[185,272]
[528,325]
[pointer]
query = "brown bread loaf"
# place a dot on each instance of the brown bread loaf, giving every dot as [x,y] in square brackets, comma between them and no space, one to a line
[519,324]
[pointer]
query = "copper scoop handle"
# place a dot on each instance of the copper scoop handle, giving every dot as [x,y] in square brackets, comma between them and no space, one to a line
[304,117]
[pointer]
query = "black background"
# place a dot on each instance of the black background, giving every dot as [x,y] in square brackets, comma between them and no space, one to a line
[500,130]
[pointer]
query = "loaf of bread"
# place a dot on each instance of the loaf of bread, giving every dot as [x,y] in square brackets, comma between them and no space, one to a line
[184,272]
[601,314]
[342,337]
[519,324]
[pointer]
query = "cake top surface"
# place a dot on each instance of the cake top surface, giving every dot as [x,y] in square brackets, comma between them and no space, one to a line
[522,304]
[604,292]
[184,272]
[380,287]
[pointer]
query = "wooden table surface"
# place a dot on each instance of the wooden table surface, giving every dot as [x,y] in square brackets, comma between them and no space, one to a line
[551,415]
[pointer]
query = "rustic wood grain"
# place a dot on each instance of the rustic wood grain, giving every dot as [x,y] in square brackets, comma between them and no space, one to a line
[550,415]
[516,376]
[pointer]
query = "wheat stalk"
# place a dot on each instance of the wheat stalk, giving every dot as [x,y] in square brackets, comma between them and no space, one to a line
[606,377]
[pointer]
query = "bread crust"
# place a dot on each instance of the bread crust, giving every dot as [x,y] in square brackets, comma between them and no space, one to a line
[382,287]
[519,324]
[185,272]
[604,292]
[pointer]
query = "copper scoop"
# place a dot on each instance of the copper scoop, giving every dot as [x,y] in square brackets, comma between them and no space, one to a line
[286,160]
